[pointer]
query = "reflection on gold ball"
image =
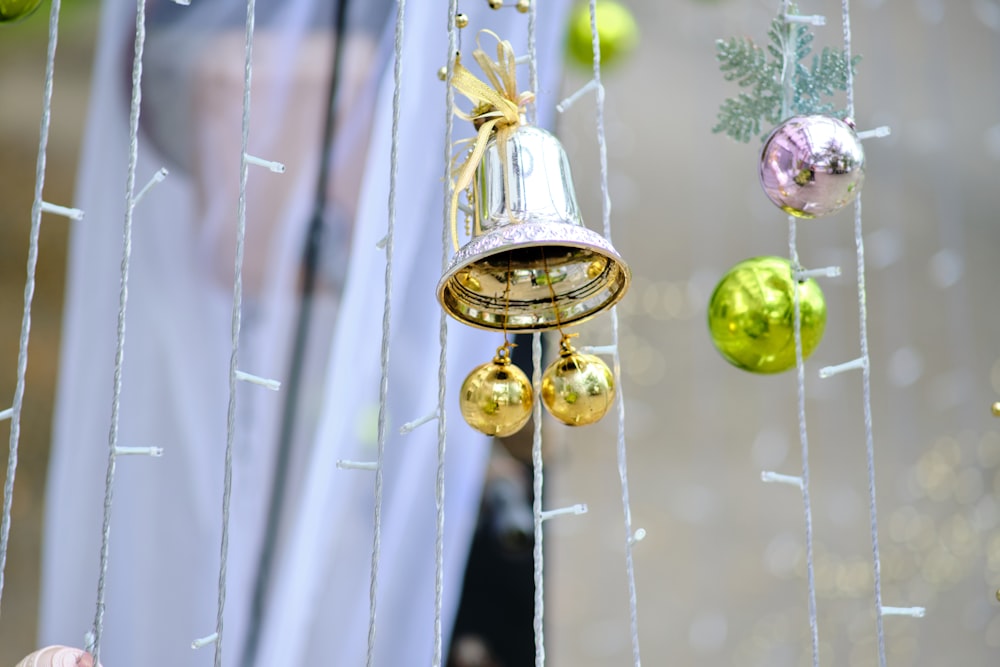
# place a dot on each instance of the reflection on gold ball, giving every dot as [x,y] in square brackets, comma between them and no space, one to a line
[496,397]
[751,315]
[617,33]
[578,389]
[15,10]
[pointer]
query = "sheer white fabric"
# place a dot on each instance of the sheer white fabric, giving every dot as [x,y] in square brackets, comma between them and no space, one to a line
[166,518]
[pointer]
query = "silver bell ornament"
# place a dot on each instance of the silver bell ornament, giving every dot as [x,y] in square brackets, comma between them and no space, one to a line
[812,166]
[531,264]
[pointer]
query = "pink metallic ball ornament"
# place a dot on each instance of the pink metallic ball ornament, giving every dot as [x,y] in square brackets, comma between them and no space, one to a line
[58,656]
[812,166]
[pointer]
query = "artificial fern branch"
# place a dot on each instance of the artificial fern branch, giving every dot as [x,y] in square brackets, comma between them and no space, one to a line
[763,72]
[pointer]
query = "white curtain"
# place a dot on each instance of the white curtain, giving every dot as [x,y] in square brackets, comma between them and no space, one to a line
[166,515]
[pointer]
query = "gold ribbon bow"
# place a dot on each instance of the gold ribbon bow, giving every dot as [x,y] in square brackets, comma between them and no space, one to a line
[498,107]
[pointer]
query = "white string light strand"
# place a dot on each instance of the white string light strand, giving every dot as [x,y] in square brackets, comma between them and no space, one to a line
[622,454]
[29,291]
[133,154]
[788,9]
[866,361]
[804,442]
[386,325]
[537,479]
[533,59]
[537,462]
[241,224]
[443,340]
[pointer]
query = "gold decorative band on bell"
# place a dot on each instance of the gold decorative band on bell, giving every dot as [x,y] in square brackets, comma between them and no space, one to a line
[580,268]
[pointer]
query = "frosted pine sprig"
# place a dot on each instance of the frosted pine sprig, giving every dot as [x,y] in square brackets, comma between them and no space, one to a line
[762,71]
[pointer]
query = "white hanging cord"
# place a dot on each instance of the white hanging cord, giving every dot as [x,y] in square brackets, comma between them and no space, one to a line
[443,341]
[439,488]
[537,476]
[788,10]
[227,486]
[133,153]
[14,412]
[386,325]
[869,439]
[804,441]
[630,538]
[533,58]
[866,365]
[846,11]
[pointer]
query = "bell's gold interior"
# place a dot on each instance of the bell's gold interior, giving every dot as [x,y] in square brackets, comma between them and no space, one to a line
[584,281]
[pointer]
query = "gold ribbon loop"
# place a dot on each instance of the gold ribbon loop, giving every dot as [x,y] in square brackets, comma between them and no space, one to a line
[498,108]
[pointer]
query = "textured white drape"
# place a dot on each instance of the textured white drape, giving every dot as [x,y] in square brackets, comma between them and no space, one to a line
[165,524]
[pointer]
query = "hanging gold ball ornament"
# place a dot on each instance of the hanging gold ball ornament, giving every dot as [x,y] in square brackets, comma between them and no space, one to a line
[751,315]
[496,397]
[578,389]
[523,6]
[15,10]
[617,33]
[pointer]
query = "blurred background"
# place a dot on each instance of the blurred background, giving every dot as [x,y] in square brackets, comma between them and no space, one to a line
[721,574]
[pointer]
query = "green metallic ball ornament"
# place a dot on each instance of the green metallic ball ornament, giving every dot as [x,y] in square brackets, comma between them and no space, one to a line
[617,32]
[15,10]
[751,315]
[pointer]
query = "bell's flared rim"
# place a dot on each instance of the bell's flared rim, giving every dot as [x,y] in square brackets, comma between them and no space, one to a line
[525,235]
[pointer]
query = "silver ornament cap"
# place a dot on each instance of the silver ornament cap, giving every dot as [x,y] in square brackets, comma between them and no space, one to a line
[812,166]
